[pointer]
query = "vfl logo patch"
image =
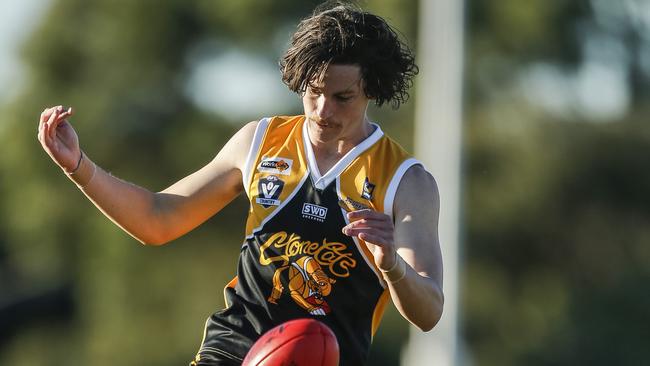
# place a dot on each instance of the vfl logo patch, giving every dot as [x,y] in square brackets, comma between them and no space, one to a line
[269,190]
[275,165]
[368,188]
[314,212]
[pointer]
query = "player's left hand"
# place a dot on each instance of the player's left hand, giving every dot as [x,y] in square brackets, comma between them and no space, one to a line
[376,229]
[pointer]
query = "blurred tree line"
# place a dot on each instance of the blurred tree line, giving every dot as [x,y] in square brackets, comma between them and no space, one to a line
[556,254]
[75,289]
[557,195]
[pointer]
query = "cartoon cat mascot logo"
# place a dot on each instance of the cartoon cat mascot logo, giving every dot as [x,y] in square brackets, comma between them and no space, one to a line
[308,285]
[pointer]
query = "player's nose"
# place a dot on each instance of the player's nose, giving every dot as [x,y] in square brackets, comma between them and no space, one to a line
[324,107]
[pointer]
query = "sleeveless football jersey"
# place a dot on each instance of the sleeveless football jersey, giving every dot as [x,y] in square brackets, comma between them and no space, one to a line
[295,261]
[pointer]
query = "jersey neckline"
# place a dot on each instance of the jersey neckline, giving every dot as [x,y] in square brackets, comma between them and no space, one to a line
[322,181]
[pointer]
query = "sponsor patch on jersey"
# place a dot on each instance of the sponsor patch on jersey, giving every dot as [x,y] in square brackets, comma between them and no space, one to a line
[314,212]
[269,189]
[368,188]
[351,205]
[275,165]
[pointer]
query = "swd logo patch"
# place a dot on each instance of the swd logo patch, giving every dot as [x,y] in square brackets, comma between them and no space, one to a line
[269,189]
[314,212]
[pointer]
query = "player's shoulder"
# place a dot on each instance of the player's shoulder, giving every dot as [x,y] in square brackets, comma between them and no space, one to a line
[416,185]
[287,118]
[284,121]
[250,126]
[394,144]
[417,173]
[246,132]
[270,123]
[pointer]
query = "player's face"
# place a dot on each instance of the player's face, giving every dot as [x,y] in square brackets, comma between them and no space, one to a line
[336,107]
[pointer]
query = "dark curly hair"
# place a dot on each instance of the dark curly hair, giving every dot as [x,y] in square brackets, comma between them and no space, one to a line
[340,33]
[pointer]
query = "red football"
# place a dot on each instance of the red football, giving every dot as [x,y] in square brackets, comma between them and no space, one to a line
[300,342]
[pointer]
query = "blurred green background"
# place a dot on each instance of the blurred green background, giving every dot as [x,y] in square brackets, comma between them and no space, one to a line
[556,215]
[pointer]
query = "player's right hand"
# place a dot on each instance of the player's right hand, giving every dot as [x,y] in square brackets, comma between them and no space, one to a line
[58,138]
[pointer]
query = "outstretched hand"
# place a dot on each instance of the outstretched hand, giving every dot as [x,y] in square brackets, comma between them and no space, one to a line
[377,230]
[58,138]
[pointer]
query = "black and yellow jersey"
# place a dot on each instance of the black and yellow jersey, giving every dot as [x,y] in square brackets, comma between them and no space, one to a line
[295,262]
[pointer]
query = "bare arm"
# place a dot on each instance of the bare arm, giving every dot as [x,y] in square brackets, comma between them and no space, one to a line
[408,253]
[151,218]
[418,297]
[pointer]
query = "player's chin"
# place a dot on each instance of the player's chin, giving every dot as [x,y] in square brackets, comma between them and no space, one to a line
[326,136]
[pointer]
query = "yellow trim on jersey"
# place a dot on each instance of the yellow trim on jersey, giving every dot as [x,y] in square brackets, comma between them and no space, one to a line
[230,284]
[197,357]
[370,176]
[378,314]
[366,171]
[282,139]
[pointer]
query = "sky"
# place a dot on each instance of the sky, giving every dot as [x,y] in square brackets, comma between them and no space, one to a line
[19,17]
[224,83]
[227,83]
[230,81]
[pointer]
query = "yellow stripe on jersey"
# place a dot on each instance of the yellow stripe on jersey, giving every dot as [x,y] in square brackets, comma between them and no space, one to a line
[378,314]
[282,142]
[230,284]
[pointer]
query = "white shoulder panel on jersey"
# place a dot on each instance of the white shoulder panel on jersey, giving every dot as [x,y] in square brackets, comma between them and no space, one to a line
[260,130]
[394,183]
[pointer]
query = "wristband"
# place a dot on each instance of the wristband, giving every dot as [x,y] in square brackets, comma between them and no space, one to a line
[91,177]
[387,274]
[76,175]
[393,267]
[81,156]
